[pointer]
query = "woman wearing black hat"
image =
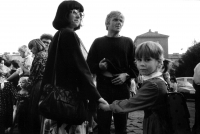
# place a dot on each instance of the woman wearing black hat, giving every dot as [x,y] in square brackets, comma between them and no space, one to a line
[71,67]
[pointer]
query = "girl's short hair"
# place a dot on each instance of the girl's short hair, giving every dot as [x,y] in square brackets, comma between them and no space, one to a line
[61,19]
[24,49]
[149,49]
[111,15]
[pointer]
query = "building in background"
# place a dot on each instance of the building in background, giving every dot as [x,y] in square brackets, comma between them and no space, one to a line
[156,37]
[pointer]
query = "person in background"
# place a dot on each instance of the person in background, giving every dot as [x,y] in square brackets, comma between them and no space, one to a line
[14,67]
[71,68]
[38,48]
[152,95]
[165,70]
[21,108]
[4,69]
[173,85]
[196,84]
[111,59]
[7,59]
[46,39]
[7,92]
[25,65]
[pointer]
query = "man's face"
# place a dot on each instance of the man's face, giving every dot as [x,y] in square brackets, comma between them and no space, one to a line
[115,24]
[46,42]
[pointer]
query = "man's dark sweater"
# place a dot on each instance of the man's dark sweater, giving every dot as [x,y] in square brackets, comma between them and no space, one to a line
[118,51]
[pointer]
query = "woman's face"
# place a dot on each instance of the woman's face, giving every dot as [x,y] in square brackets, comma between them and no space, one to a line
[1,63]
[147,66]
[34,50]
[75,18]
[22,54]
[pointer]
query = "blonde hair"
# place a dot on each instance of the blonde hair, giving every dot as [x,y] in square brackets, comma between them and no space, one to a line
[111,15]
[24,49]
[25,79]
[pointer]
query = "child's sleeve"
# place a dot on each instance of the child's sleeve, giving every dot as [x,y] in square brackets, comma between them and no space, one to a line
[145,98]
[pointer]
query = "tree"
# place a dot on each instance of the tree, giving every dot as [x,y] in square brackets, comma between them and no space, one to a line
[188,61]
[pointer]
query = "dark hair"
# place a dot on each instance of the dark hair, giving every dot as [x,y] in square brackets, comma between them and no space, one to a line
[166,65]
[1,58]
[61,19]
[14,63]
[46,36]
[173,78]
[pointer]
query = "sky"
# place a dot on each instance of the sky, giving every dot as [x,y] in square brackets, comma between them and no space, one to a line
[24,20]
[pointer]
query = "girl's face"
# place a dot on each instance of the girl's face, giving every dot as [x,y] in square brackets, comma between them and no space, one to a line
[75,18]
[22,83]
[147,66]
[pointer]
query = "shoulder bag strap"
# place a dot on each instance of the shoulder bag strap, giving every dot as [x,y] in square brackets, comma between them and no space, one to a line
[54,69]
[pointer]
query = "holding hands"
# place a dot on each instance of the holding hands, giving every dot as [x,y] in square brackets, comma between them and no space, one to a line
[104,105]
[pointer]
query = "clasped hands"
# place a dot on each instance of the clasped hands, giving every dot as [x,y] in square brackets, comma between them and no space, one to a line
[119,78]
[104,105]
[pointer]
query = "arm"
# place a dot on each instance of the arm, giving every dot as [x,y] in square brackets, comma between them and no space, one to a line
[12,76]
[144,99]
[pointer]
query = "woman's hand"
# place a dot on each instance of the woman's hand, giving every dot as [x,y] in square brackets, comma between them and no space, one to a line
[101,100]
[105,107]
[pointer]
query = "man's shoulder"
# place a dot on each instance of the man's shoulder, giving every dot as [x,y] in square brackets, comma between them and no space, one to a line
[101,38]
[126,38]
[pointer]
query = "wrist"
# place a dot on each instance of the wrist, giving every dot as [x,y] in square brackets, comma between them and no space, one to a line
[127,76]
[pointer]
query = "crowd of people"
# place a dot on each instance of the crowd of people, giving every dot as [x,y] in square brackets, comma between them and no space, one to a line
[105,76]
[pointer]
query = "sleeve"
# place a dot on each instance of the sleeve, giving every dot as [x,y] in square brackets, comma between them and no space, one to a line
[144,99]
[37,71]
[133,71]
[28,63]
[83,73]
[92,58]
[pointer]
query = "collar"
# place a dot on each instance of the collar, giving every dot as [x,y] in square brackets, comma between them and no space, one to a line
[153,75]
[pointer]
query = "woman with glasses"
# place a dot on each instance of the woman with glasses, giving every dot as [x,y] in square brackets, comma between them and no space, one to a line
[71,68]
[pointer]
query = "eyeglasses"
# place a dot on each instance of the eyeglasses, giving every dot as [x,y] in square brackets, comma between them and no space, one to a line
[76,12]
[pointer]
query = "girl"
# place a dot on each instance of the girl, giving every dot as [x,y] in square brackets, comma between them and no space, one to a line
[151,97]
